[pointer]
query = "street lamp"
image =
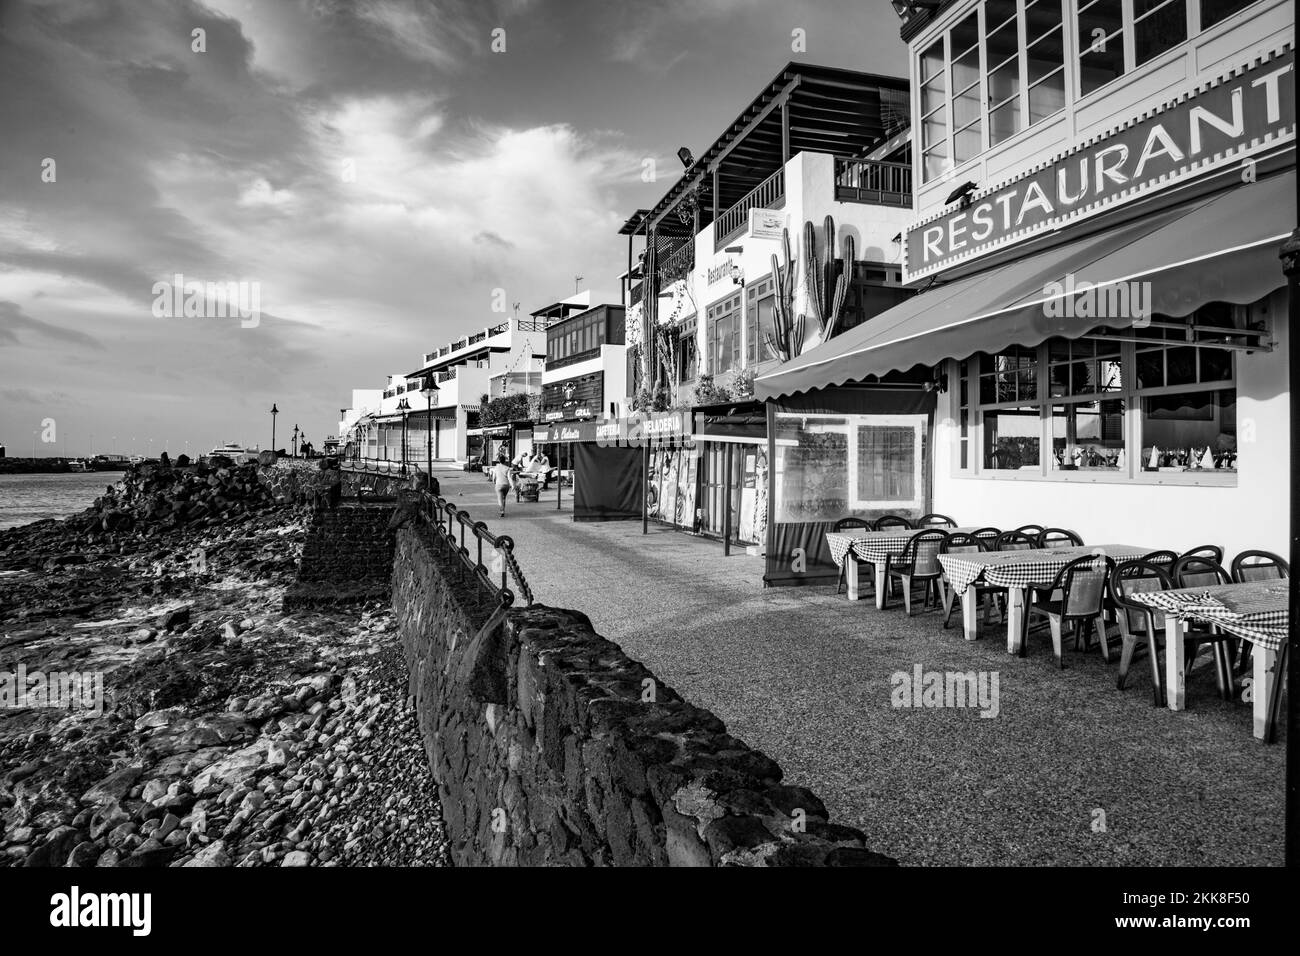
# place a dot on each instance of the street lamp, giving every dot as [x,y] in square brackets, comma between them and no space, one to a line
[403,406]
[274,411]
[429,389]
[295,441]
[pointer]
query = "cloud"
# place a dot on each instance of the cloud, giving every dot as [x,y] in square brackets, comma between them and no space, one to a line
[14,319]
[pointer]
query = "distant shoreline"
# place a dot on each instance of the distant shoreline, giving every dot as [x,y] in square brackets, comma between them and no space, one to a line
[51,466]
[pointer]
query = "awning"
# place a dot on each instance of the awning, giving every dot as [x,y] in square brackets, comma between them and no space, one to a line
[1221,248]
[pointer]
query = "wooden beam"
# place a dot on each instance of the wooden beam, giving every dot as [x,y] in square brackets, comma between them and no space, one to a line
[776,103]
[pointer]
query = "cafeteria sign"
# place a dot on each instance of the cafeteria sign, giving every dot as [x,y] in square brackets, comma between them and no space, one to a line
[1248,111]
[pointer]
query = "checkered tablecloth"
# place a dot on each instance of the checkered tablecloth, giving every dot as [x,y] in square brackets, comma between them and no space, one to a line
[1254,610]
[875,546]
[1018,569]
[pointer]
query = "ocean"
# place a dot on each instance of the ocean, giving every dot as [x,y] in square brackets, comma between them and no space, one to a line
[25,498]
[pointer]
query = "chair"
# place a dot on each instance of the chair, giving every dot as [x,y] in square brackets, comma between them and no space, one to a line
[962,543]
[1164,560]
[885,522]
[1259,566]
[1142,623]
[1059,538]
[1211,551]
[987,536]
[1194,571]
[1082,585]
[918,562]
[1014,541]
[842,525]
[935,521]
[1034,531]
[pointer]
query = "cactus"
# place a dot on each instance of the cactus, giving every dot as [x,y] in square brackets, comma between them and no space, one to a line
[828,278]
[785,341]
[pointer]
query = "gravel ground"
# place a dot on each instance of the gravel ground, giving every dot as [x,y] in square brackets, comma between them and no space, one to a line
[1071,771]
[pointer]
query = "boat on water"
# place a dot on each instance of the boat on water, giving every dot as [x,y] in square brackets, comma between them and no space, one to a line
[79,465]
[236,452]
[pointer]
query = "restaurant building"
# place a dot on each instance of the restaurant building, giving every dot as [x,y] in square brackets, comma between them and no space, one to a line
[1102,188]
[821,159]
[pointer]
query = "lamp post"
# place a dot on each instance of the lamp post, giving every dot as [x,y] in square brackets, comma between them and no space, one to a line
[295,441]
[403,406]
[429,389]
[274,411]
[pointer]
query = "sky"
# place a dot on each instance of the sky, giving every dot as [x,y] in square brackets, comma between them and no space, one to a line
[369,172]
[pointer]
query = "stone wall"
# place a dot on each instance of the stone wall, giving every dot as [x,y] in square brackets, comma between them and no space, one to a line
[347,556]
[550,746]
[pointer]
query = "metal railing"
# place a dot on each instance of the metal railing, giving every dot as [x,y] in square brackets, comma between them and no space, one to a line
[867,181]
[450,526]
[446,376]
[680,262]
[766,195]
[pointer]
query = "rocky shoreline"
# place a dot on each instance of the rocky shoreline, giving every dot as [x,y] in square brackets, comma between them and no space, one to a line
[230,732]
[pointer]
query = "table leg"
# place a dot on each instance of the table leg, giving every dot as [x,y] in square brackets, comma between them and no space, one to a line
[970,610]
[1015,610]
[880,586]
[1175,663]
[1265,683]
[851,578]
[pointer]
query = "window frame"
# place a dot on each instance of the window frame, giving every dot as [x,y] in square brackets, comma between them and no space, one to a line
[1129,392]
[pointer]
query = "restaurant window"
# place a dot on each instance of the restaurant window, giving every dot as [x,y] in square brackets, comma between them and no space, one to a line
[1044,58]
[760,319]
[686,365]
[1216,11]
[967,111]
[1002,54]
[1155,397]
[1158,25]
[1101,43]
[934,112]
[723,331]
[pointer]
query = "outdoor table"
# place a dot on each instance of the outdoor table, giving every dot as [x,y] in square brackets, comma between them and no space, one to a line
[873,547]
[1254,610]
[1017,571]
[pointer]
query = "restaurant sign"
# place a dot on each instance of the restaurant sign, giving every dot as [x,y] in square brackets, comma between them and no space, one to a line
[637,429]
[1219,124]
[766,224]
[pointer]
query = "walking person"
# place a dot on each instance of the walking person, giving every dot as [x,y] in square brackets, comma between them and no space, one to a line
[501,479]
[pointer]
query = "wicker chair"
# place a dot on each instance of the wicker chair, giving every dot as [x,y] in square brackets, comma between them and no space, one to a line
[1082,585]
[1259,566]
[1059,538]
[918,562]
[987,536]
[1211,551]
[1140,623]
[885,522]
[935,521]
[842,525]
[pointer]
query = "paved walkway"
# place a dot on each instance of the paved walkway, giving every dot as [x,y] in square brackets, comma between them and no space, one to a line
[1071,771]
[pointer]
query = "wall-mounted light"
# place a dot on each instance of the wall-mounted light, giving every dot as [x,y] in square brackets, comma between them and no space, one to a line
[938,384]
[686,156]
[961,194]
[737,275]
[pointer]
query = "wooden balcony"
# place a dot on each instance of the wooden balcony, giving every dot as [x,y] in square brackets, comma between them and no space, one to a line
[866,181]
[769,194]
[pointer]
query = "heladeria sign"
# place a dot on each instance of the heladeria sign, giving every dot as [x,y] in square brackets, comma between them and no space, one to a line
[1251,110]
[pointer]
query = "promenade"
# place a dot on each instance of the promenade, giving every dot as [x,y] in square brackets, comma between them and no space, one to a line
[1069,771]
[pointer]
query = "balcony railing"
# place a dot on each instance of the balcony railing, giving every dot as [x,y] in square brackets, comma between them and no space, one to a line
[532,325]
[881,184]
[769,194]
[446,376]
[501,329]
[634,297]
[679,263]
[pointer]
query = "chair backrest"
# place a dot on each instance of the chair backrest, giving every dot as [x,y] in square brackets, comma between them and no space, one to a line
[1032,530]
[1014,541]
[1259,566]
[1131,577]
[1059,538]
[935,521]
[884,522]
[1211,551]
[922,552]
[1194,571]
[987,535]
[845,523]
[1164,560]
[959,542]
[1083,585]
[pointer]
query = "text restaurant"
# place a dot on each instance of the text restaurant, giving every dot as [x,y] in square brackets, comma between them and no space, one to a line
[1102,189]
